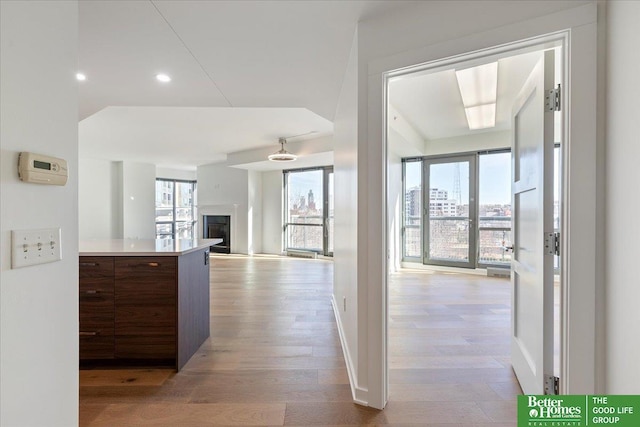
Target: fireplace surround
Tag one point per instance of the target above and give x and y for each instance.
(218, 227)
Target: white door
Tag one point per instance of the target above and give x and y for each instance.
(532, 206)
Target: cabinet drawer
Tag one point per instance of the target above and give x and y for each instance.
(147, 268)
(96, 310)
(96, 267)
(140, 320)
(145, 347)
(96, 343)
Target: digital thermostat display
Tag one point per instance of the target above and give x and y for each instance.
(42, 169)
(41, 165)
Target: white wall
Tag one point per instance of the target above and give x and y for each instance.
(169, 173)
(622, 203)
(99, 199)
(223, 190)
(468, 143)
(116, 200)
(39, 304)
(430, 31)
(254, 217)
(346, 180)
(272, 205)
(394, 214)
(138, 200)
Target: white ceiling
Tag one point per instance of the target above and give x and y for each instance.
(182, 137)
(244, 73)
(432, 104)
(287, 56)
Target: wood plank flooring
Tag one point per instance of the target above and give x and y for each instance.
(274, 356)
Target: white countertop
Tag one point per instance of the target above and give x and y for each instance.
(143, 247)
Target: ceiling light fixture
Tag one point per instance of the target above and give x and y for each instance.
(282, 155)
(81, 77)
(479, 90)
(163, 78)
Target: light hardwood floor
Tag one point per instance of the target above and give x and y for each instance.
(274, 356)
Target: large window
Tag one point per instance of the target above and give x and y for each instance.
(439, 224)
(309, 210)
(175, 209)
(441, 229)
(494, 208)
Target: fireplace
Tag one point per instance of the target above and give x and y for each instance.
(218, 227)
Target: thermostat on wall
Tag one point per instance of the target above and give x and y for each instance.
(41, 169)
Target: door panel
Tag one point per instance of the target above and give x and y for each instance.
(449, 211)
(532, 195)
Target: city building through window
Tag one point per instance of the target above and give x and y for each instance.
(175, 209)
(308, 219)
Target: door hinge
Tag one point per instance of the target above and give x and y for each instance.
(552, 99)
(551, 385)
(552, 243)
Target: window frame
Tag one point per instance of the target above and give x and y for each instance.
(476, 218)
(174, 221)
(326, 171)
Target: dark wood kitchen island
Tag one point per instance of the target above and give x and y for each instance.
(143, 302)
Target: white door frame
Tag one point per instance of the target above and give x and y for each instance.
(582, 270)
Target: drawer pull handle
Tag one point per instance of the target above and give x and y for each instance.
(88, 334)
(89, 264)
(148, 264)
(92, 292)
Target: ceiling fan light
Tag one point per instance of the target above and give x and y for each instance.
(282, 155)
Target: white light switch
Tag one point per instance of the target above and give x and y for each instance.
(30, 247)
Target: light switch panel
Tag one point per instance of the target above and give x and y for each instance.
(30, 247)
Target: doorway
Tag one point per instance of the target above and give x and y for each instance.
(456, 229)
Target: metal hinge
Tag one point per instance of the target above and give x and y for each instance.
(552, 99)
(552, 243)
(551, 385)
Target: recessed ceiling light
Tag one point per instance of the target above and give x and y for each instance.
(163, 78)
(81, 77)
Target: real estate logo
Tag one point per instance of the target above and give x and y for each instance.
(554, 411)
(578, 411)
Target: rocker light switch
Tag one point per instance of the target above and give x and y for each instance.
(30, 247)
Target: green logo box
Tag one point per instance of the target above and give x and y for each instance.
(578, 410)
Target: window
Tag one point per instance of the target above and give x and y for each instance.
(440, 232)
(175, 209)
(447, 200)
(309, 210)
(412, 218)
(494, 208)
(448, 234)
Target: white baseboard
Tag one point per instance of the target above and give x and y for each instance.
(360, 395)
